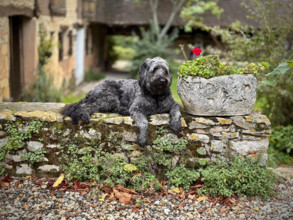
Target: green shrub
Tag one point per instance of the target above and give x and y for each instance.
(210, 66)
(277, 157)
(281, 138)
(180, 176)
(241, 177)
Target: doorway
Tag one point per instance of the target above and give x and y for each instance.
(16, 48)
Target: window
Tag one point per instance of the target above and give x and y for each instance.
(70, 43)
(58, 7)
(89, 9)
(60, 45)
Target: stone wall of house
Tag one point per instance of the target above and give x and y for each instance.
(4, 58)
(19, 7)
(214, 137)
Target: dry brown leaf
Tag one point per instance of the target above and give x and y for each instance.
(123, 197)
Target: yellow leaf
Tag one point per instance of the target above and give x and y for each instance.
(202, 198)
(102, 199)
(176, 190)
(256, 209)
(59, 180)
(129, 167)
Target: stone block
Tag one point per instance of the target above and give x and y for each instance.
(24, 169)
(245, 147)
(34, 145)
(160, 119)
(218, 146)
(49, 168)
(199, 137)
(129, 136)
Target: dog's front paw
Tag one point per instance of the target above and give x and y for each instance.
(176, 126)
(141, 141)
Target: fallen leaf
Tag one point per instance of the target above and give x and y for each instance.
(7, 179)
(176, 190)
(202, 198)
(233, 201)
(102, 199)
(59, 180)
(138, 174)
(123, 197)
(256, 209)
(240, 212)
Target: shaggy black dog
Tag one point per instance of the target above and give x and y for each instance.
(148, 95)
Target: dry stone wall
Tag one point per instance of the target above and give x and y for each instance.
(209, 138)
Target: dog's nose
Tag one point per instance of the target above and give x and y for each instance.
(162, 80)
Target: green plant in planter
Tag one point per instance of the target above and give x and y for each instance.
(210, 66)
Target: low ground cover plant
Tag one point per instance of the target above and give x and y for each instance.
(210, 66)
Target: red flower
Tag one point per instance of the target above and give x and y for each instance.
(197, 51)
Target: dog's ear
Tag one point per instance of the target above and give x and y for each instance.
(144, 68)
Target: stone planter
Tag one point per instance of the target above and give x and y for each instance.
(218, 96)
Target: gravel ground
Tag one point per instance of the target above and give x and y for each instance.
(27, 198)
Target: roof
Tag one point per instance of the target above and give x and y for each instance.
(128, 12)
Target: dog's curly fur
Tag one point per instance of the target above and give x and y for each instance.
(148, 95)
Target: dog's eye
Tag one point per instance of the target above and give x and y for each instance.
(155, 69)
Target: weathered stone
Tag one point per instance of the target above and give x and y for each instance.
(218, 96)
(49, 168)
(224, 121)
(246, 147)
(240, 122)
(129, 136)
(257, 133)
(2, 133)
(218, 129)
(34, 145)
(7, 166)
(32, 106)
(218, 146)
(199, 137)
(53, 146)
(24, 169)
(116, 120)
(262, 161)
(201, 131)
(129, 121)
(193, 125)
(183, 123)
(14, 158)
(160, 119)
(204, 121)
(66, 133)
(174, 160)
(41, 115)
(91, 134)
(135, 154)
(7, 116)
(3, 141)
(226, 135)
(171, 137)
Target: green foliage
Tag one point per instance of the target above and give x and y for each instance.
(149, 46)
(277, 157)
(122, 47)
(114, 137)
(241, 177)
(269, 41)
(180, 176)
(90, 75)
(210, 66)
(194, 9)
(281, 138)
(33, 157)
(145, 181)
(18, 136)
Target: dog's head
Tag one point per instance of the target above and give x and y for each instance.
(154, 76)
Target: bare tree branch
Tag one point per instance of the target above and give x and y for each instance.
(177, 5)
(154, 6)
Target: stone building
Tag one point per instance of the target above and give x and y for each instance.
(66, 22)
